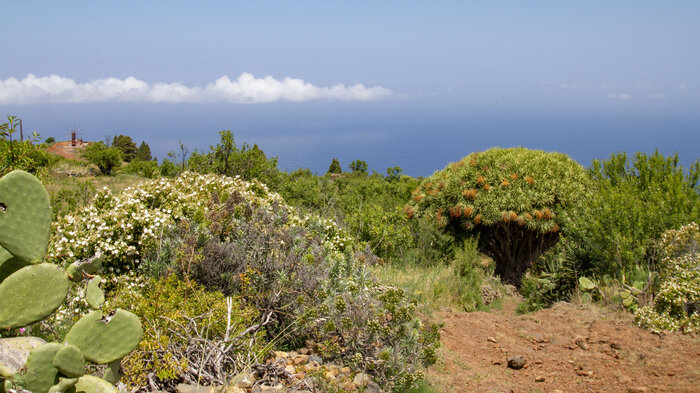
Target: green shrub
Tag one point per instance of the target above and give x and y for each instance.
(168, 306)
(105, 158)
(24, 155)
(633, 203)
(516, 200)
(677, 301)
(147, 169)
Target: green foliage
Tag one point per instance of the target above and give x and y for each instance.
(168, 303)
(393, 173)
(20, 155)
(126, 145)
(358, 166)
(633, 203)
(168, 168)
(50, 140)
(517, 201)
(677, 301)
(335, 167)
(227, 158)
(147, 169)
(143, 153)
(386, 232)
(105, 158)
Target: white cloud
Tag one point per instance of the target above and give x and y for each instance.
(244, 89)
(621, 96)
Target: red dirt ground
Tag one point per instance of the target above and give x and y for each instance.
(612, 354)
(64, 149)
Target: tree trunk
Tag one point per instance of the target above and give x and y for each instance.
(514, 248)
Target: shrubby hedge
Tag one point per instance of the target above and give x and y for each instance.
(303, 274)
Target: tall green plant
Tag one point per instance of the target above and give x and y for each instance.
(30, 291)
(634, 201)
(516, 200)
(20, 154)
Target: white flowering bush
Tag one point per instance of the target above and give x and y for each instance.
(126, 226)
(677, 302)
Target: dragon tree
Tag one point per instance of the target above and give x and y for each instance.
(517, 201)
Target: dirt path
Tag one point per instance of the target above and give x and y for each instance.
(568, 348)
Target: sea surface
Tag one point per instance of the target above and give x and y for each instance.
(420, 137)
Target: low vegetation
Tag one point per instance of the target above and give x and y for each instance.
(225, 259)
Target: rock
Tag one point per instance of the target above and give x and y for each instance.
(243, 380)
(491, 339)
(14, 352)
(582, 343)
(615, 345)
(345, 370)
(361, 380)
(539, 379)
(584, 373)
(188, 388)
(301, 359)
(372, 387)
(281, 355)
(290, 369)
(516, 362)
(350, 386)
(304, 351)
(624, 379)
(272, 389)
(234, 389)
(312, 366)
(637, 389)
(497, 362)
(314, 358)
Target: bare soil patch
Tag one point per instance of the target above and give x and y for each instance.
(568, 348)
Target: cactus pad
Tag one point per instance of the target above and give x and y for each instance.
(90, 266)
(25, 216)
(63, 385)
(9, 264)
(113, 372)
(41, 375)
(105, 338)
(94, 295)
(31, 294)
(70, 361)
(90, 384)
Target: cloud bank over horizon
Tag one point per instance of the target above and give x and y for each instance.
(246, 89)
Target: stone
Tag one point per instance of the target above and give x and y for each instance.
(290, 369)
(233, 389)
(301, 359)
(372, 387)
(193, 388)
(637, 389)
(584, 373)
(281, 354)
(315, 358)
(615, 345)
(14, 352)
(516, 362)
(304, 351)
(491, 339)
(361, 379)
(624, 379)
(539, 379)
(279, 388)
(582, 343)
(244, 380)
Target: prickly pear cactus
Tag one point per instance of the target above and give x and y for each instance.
(25, 216)
(31, 294)
(104, 338)
(93, 294)
(30, 291)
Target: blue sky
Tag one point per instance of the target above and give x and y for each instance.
(391, 72)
